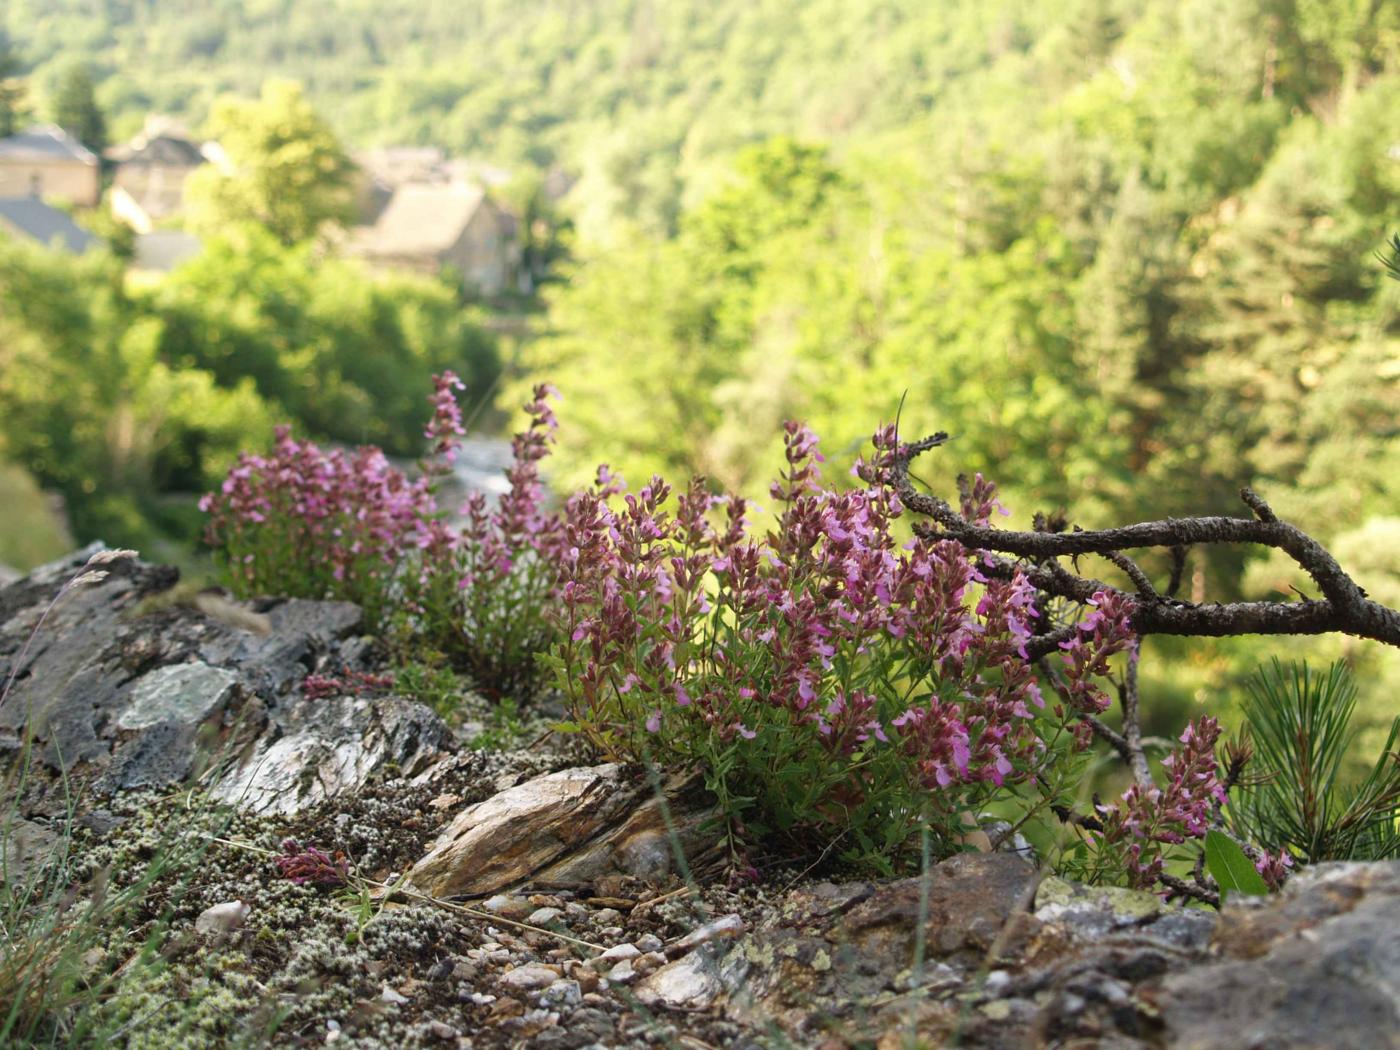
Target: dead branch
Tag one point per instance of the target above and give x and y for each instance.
(1343, 609)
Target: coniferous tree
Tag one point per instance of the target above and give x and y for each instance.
(11, 88)
(76, 111)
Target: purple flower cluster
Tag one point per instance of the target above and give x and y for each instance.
(1146, 819)
(315, 522)
(891, 674)
(310, 522)
(307, 864)
(1274, 869)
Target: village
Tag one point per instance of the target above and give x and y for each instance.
(416, 208)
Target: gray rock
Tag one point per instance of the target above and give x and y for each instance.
(528, 978)
(1317, 967)
(692, 982)
(320, 749)
(185, 694)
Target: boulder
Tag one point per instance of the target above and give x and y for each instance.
(126, 687)
(1317, 966)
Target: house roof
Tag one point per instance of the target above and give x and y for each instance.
(167, 150)
(45, 142)
(421, 219)
(32, 218)
(397, 165)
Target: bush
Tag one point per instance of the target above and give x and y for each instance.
(824, 676)
(315, 523)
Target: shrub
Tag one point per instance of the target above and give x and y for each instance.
(824, 675)
(314, 523)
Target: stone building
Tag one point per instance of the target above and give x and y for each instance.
(148, 184)
(428, 226)
(46, 161)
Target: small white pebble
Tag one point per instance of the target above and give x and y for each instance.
(222, 918)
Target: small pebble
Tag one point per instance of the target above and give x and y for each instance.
(529, 977)
(222, 918)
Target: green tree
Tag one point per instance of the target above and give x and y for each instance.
(284, 169)
(74, 108)
(11, 87)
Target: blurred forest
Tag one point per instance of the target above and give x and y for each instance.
(1123, 250)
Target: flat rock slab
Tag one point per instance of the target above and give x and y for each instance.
(181, 693)
(561, 829)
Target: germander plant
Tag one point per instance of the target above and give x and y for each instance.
(310, 522)
(825, 675)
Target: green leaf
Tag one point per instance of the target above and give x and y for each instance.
(1230, 868)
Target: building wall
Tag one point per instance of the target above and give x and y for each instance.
(69, 181)
(158, 188)
(480, 253)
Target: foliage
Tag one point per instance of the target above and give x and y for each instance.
(481, 590)
(307, 522)
(284, 169)
(12, 91)
(117, 397)
(74, 108)
(1300, 723)
(32, 531)
(88, 403)
(1230, 868)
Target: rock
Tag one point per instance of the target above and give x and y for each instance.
(320, 749)
(388, 995)
(616, 954)
(727, 926)
(442, 1031)
(544, 916)
(528, 978)
(222, 918)
(562, 993)
(508, 907)
(122, 683)
(518, 832)
(622, 972)
(692, 982)
(183, 694)
(1319, 966)
(28, 846)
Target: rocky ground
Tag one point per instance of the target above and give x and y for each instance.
(532, 898)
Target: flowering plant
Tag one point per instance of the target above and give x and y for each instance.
(307, 864)
(823, 673)
(310, 522)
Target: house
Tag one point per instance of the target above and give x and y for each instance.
(46, 161)
(428, 226)
(32, 219)
(148, 185)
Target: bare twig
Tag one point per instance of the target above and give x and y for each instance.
(1181, 888)
(1132, 719)
(1344, 608)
